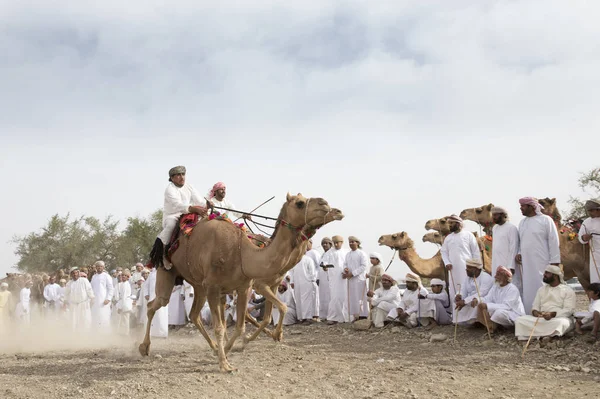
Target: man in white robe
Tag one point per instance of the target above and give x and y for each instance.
(502, 305)
(78, 295)
(303, 279)
(136, 274)
(176, 307)
(414, 309)
(217, 194)
(476, 284)
(458, 246)
(160, 322)
(23, 309)
(538, 239)
(589, 233)
(323, 280)
(355, 272)
(52, 297)
(124, 304)
(286, 296)
(506, 246)
(333, 260)
(384, 299)
(553, 308)
(188, 298)
(180, 198)
(591, 318)
(443, 311)
(103, 292)
(6, 305)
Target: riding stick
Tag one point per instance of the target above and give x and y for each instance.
(593, 257)
(456, 320)
(484, 313)
(256, 207)
(389, 264)
(529, 340)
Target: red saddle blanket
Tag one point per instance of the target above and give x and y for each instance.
(188, 221)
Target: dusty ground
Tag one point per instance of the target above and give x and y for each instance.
(313, 361)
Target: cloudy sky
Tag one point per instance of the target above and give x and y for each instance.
(395, 112)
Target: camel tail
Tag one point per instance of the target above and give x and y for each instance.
(157, 253)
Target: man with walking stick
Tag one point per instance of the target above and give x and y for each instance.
(589, 233)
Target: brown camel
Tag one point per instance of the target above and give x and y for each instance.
(481, 215)
(434, 237)
(485, 244)
(429, 268)
(217, 258)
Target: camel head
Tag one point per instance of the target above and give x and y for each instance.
(481, 215)
(398, 241)
(550, 208)
(434, 237)
(308, 213)
(440, 225)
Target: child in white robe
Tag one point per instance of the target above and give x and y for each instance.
(591, 318)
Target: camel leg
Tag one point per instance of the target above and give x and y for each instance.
(240, 325)
(199, 299)
(165, 281)
(214, 300)
(271, 299)
(256, 324)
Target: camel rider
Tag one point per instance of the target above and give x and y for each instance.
(180, 198)
(216, 195)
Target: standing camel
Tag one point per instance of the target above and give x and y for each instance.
(217, 258)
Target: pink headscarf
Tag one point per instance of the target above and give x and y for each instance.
(217, 186)
(533, 202)
(504, 270)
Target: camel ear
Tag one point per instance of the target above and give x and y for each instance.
(402, 235)
(553, 201)
(490, 206)
(288, 197)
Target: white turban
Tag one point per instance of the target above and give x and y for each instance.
(556, 270)
(73, 269)
(4, 285)
(499, 209)
(375, 255)
(474, 263)
(99, 263)
(437, 281)
(139, 264)
(413, 278)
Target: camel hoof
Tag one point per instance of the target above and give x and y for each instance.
(278, 336)
(227, 368)
(144, 349)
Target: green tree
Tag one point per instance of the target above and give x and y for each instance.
(589, 182)
(137, 239)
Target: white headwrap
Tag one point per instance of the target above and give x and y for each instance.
(413, 278)
(499, 209)
(437, 281)
(375, 255)
(556, 270)
(99, 263)
(4, 285)
(474, 263)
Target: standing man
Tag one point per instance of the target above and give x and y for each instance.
(304, 282)
(216, 195)
(180, 198)
(5, 307)
(136, 275)
(323, 280)
(538, 247)
(23, 310)
(78, 294)
(124, 304)
(52, 296)
(160, 322)
(506, 246)
(188, 299)
(458, 246)
(338, 288)
(589, 233)
(355, 271)
(103, 292)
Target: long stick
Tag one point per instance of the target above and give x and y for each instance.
(529, 340)
(453, 312)
(348, 296)
(389, 264)
(238, 211)
(484, 313)
(257, 207)
(593, 257)
(372, 289)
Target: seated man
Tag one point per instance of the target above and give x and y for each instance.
(466, 301)
(180, 198)
(384, 299)
(285, 295)
(552, 307)
(443, 312)
(413, 310)
(503, 304)
(591, 318)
